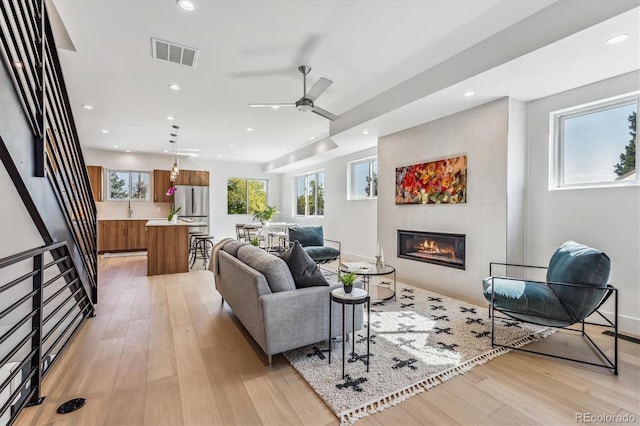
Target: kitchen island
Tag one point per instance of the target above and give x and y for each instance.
(168, 246)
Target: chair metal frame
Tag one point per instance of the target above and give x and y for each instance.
(611, 364)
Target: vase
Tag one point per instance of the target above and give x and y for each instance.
(174, 219)
(347, 288)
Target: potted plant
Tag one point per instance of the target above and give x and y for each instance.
(347, 281)
(265, 215)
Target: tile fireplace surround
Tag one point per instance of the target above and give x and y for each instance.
(433, 247)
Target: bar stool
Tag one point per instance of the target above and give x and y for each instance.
(203, 246)
(192, 245)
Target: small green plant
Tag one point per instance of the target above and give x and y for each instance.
(348, 279)
(266, 214)
(255, 242)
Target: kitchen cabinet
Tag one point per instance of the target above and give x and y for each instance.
(161, 182)
(193, 177)
(121, 235)
(95, 178)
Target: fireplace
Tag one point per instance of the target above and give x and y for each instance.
(432, 247)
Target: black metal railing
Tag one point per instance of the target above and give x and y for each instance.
(30, 56)
(43, 305)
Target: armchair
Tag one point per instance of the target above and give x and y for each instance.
(311, 238)
(575, 288)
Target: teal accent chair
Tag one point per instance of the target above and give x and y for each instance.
(576, 287)
(312, 240)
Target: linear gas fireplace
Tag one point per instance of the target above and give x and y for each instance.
(432, 247)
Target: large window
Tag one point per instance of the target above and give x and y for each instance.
(363, 179)
(246, 196)
(128, 185)
(595, 145)
(310, 194)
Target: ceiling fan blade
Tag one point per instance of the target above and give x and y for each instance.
(272, 105)
(318, 88)
(325, 113)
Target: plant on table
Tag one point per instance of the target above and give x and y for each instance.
(265, 215)
(173, 212)
(347, 280)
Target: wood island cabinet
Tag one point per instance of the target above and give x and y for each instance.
(161, 182)
(120, 235)
(95, 178)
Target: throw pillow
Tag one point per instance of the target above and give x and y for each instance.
(274, 269)
(307, 235)
(304, 270)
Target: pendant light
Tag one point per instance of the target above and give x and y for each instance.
(175, 170)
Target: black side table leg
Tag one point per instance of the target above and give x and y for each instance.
(343, 341)
(353, 329)
(368, 328)
(330, 315)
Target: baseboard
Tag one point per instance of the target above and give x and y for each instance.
(626, 324)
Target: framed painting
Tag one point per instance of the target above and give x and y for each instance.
(436, 182)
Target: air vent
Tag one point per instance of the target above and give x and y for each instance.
(172, 52)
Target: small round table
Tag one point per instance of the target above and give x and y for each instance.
(378, 293)
(356, 297)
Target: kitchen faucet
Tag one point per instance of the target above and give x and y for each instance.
(130, 209)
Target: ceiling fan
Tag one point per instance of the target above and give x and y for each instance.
(306, 102)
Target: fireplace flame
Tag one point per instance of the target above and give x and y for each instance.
(431, 247)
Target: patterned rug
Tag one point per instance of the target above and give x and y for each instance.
(416, 342)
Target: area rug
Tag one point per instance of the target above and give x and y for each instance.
(418, 341)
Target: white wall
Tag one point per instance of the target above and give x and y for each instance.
(222, 224)
(352, 222)
(605, 218)
(481, 134)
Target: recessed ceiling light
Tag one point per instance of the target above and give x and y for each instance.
(18, 64)
(218, 156)
(127, 150)
(186, 5)
(105, 131)
(618, 38)
(115, 146)
(174, 87)
(249, 129)
(164, 150)
(87, 107)
(469, 93)
(230, 145)
(275, 107)
(365, 132)
(170, 118)
(311, 138)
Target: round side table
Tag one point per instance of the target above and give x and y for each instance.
(356, 297)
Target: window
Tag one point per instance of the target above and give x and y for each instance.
(310, 194)
(595, 145)
(128, 185)
(246, 196)
(363, 179)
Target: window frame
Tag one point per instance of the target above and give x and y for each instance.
(306, 194)
(352, 182)
(128, 198)
(556, 142)
(246, 181)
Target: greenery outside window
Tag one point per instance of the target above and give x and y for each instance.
(595, 145)
(363, 179)
(310, 194)
(127, 185)
(246, 196)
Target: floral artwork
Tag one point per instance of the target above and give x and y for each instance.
(436, 182)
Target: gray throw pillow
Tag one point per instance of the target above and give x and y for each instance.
(304, 270)
(232, 247)
(273, 268)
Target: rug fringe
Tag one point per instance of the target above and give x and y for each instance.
(387, 401)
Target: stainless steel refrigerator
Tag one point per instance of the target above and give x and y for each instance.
(194, 203)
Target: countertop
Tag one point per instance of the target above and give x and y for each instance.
(165, 222)
(132, 218)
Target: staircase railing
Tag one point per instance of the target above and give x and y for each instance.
(43, 306)
(30, 56)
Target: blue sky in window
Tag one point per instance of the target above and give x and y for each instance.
(593, 144)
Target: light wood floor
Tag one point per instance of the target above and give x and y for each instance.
(163, 351)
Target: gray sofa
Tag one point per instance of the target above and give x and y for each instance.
(261, 292)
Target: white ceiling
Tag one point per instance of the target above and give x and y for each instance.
(394, 64)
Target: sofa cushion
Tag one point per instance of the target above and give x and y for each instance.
(307, 235)
(575, 263)
(274, 269)
(232, 247)
(303, 268)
